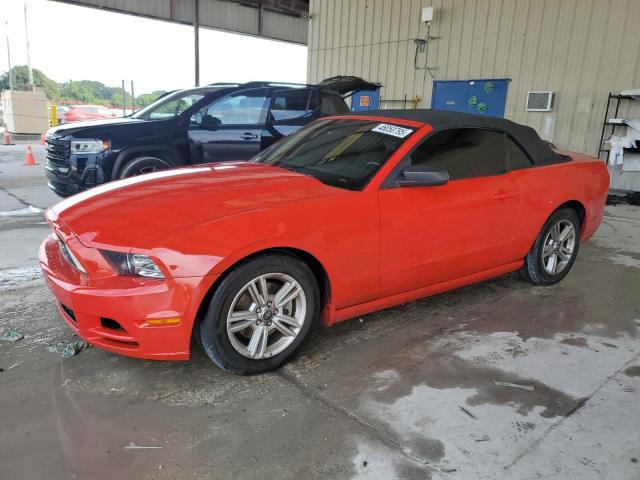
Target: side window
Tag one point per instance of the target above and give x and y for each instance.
(464, 153)
(516, 158)
(173, 108)
(242, 108)
(289, 104)
(332, 103)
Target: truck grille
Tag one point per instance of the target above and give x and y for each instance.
(58, 152)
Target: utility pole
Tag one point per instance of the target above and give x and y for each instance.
(124, 100)
(196, 33)
(133, 99)
(6, 24)
(26, 32)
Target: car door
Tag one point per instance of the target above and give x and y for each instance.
(230, 128)
(431, 234)
(289, 110)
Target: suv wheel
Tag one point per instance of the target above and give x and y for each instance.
(142, 165)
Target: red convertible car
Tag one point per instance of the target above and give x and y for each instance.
(351, 214)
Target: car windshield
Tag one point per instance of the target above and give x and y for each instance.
(341, 153)
(172, 105)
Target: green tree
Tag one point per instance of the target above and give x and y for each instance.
(147, 98)
(90, 91)
(20, 76)
(75, 91)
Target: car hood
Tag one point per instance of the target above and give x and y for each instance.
(129, 212)
(75, 127)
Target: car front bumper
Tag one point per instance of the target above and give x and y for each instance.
(75, 173)
(114, 312)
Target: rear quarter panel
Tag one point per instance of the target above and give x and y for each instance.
(545, 188)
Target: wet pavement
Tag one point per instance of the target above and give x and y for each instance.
(497, 380)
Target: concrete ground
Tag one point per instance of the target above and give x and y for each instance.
(498, 380)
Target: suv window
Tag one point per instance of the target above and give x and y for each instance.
(242, 108)
(332, 103)
(464, 153)
(291, 103)
(168, 107)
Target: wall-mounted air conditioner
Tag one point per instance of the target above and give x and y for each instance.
(540, 101)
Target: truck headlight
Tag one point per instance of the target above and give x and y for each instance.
(89, 146)
(132, 264)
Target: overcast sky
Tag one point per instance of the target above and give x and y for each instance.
(78, 43)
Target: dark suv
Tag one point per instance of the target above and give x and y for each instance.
(207, 124)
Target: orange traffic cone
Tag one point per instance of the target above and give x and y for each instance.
(29, 160)
(6, 138)
(42, 140)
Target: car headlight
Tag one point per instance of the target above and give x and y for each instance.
(132, 264)
(89, 146)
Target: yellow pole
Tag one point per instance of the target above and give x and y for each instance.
(54, 116)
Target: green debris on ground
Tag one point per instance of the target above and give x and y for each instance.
(70, 349)
(11, 336)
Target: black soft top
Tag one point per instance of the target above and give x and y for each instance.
(528, 139)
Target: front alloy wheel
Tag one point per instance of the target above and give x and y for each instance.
(260, 313)
(266, 315)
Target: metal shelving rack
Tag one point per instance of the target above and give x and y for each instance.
(606, 123)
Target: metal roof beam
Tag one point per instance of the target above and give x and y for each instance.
(284, 20)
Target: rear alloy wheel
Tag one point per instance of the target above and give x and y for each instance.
(555, 249)
(142, 165)
(260, 314)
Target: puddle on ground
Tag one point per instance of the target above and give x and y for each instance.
(632, 371)
(377, 463)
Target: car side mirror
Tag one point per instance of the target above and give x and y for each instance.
(419, 176)
(212, 123)
(196, 118)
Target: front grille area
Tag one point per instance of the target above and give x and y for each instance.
(69, 312)
(58, 152)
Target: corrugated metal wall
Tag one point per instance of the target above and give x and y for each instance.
(581, 49)
(219, 14)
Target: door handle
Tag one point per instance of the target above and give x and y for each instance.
(249, 136)
(504, 194)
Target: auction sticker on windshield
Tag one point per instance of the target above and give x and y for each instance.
(392, 130)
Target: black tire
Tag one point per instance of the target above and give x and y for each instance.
(197, 336)
(213, 327)
(534, 268)
(142, 165)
